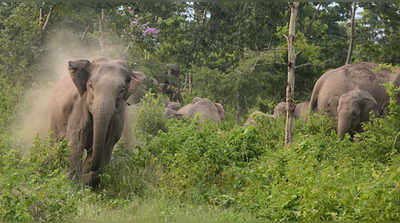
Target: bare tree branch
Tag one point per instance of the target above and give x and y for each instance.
(47, 18)
(101, 24)
(305, 64)
(286, 37)
(40, 16)
(351, 45)
(85, 32)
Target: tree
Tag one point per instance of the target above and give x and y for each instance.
(378, 32)
(351, 44)
(290, 105)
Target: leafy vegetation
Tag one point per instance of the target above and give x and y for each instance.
(186, 170)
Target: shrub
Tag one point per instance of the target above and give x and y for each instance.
(150, 117)
(131, 173)
(9, 97)
(36, 187)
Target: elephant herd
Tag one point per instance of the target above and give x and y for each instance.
(348, 94)
(88, 108)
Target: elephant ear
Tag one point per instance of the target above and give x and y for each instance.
(220, 109)
(79, 71)
(367, 104)
(136, 79)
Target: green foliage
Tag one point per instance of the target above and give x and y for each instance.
(10, 95)
(49, 156)
(36, 188)
(197, 158)
(150, 116)
(131, 173)
(256, 76)
(233, 53)
(377, 32)
(20, 41)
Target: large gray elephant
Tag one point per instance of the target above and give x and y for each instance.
(300, 111)
(204, 108)
(88, 110)
(334, 84)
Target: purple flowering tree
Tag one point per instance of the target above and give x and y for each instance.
(141, 33)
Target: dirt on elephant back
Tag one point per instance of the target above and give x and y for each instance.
(368, 70)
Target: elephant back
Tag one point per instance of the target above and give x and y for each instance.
(203, 107)
(364, 76)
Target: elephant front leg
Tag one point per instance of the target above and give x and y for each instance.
(90, 176)
(79, 142)
(80, 138)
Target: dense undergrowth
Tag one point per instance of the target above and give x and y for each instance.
(204, 172)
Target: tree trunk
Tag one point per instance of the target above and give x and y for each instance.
(290, 106)
(351, 45)
(101, 24)
(85, 32)
(40, 16)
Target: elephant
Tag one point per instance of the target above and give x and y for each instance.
(171, 109)
(204, 107)
(280, 110)
(353, 108)
(88, 110)
(332, 85)
(301, 110)
(141, 90)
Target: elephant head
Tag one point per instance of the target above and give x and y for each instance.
(280, 109)
(353, 108)
(104, 86)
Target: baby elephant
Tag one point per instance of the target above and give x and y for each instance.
(353, 108)
(300, 111)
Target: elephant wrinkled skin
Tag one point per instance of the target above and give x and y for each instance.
(300, 111)
(334, 84)
(88, 111)
(353, 108)
(204, 108)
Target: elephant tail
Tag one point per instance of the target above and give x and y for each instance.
(314, 96)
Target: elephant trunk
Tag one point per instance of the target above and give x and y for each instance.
(344, 125)
(102, 114)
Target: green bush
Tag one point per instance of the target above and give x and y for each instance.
(131, 173)
(10, 94)
(197, 158)
(150, 117)
(35, 188)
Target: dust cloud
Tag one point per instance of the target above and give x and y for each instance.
(33, 118)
